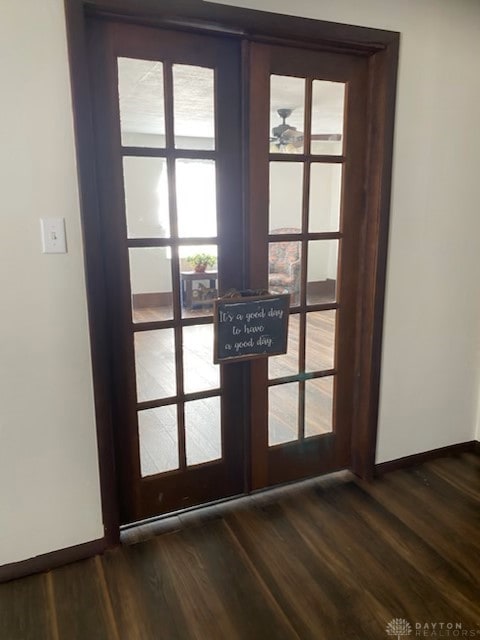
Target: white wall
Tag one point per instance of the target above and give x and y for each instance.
(49, 484)
(431, 355)
(477, 434)
(49, 491)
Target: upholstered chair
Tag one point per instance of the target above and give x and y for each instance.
(284, 266)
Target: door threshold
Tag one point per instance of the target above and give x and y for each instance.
(197, 515)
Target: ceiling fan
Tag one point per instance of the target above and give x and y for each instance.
(287, 136)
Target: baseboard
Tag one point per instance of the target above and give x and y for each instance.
(322, 288)
(51, 560)
(160, 299)
(419, 458)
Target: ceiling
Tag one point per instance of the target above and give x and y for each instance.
(142, 109)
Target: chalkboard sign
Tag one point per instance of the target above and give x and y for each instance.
(252, 327)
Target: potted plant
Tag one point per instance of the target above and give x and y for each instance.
(201, 261)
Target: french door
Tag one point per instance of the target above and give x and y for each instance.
(307, 202)
(181, 182)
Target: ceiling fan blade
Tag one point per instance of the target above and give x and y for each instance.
(292, 134)
(335, 137)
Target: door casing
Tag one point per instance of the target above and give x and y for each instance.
(381, 49)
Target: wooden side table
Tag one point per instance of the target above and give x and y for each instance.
(186, 286)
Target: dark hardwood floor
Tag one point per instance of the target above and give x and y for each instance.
(331, 558)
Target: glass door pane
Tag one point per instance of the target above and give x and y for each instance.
(322, 271)
(320, 340)
(196, 198)
(194, 110)
(286, 197)
(325, 194)
(318, 406)
(203, 427)
(145, 182)
(151, 284)
(158, 436)
(155, 364)
(285, 269)
(282, 414)
(328, 107)
(287, 114)
(141, 102)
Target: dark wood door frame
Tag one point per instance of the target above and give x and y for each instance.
(381, 49)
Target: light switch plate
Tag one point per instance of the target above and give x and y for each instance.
(53, 235)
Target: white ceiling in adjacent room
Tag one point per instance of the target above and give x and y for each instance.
(141, 101)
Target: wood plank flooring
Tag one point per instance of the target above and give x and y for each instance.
(327, 559)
